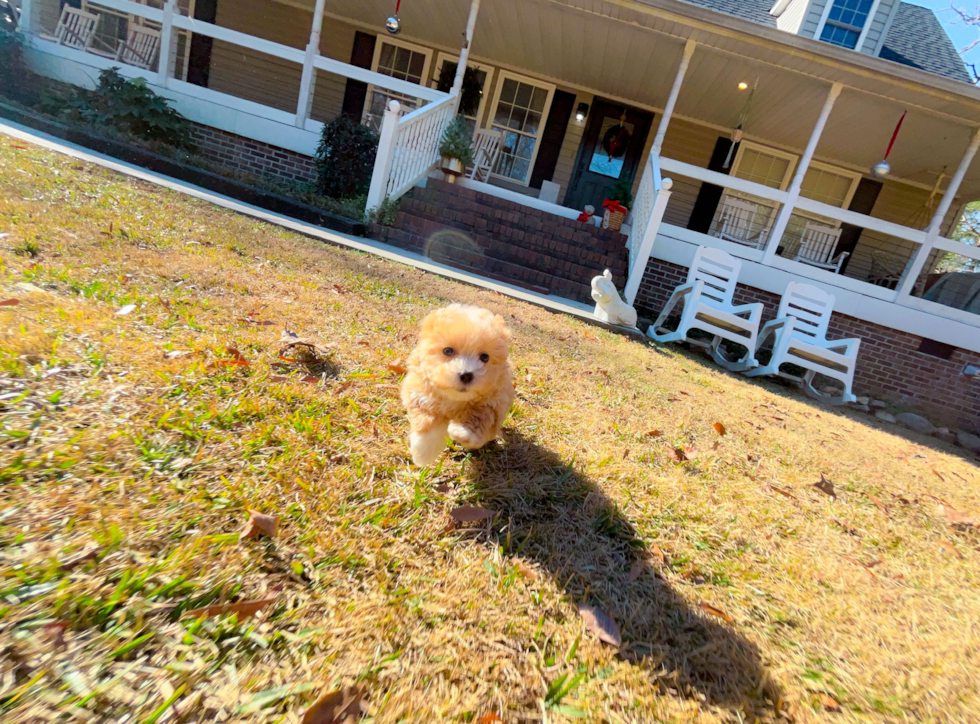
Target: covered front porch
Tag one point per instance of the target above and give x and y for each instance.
(736, 136)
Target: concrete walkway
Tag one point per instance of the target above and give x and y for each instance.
(385, 251)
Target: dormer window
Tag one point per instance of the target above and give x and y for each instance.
(845, 22)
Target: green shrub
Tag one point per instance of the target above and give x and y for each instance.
(128, 106)
(622, 191)
(386, 214)
(345, 158)
(457, 142)
(15, 82)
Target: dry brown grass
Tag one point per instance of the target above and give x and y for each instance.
(870, 598)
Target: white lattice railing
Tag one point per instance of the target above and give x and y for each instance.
(409, 148)
(648, 211)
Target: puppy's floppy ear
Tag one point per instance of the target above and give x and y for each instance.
(430, 322)
(499, 327)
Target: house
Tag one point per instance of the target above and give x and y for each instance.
(755, 126)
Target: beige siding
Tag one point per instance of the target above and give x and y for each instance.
(337, 42)
(245, 73)
(570, 146)
(792, 17)
(812, 18)
(879, 26)
(693, 144)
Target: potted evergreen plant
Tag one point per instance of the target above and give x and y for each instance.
(456, 148)
(618, 203)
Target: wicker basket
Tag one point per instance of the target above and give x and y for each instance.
(613, 220)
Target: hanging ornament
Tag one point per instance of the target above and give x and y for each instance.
(883, 168)
(394, 24)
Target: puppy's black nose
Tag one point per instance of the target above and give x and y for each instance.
(466, 377)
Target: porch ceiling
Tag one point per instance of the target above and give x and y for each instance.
(625, 50)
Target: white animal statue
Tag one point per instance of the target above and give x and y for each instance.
(609, 306)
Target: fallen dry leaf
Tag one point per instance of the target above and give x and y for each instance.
(878, 504)
(829, 702)
(720, 428)
(340, 706)
(708, 608)
(165, 304)
(56, 634)
(397, 368)
(951, 549)
(491, 718)
(525, 570)
(825, 486)
(9, 303)
(471, 514)
(443, 488)
(659, 554)
(260, 322)
(653, 433)
(781, 491)
(601, 624)
(260, 524)
(243, 609)
(955, 517)
(236, 354)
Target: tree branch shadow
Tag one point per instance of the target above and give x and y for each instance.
(560, 518)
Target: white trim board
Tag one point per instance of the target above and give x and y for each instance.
(678, 246)
(384, 251)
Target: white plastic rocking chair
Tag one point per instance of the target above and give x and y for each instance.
(76, 28)
(816, 246)
(800, 330)
(486, 149)
(737, 219)
(709, 306)
(140, 48)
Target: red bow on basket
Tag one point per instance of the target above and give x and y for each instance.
(614, 206)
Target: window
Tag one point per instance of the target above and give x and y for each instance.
(520, 110)
(398, 60)
(830, 185)
(449, 63)
(845, 22)
(763, 165)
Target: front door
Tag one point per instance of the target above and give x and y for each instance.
(611, 148)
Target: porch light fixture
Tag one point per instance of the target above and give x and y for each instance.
(743, 86)
(581, 112)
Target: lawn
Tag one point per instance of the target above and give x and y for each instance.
(146, 409)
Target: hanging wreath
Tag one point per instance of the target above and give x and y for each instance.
(616, 140)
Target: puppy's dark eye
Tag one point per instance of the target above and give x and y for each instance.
(449, 351)
(484, 358)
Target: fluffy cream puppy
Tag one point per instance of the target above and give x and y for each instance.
(459, 381)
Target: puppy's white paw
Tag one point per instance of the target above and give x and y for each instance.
(465, 437)
(426, 447)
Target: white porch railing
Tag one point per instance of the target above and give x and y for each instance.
(409, 148)
(648, 217)
(648, 212)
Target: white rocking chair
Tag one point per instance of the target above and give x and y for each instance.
(816, 246)
(800, 330)
(140, 48)
(736, 218)
(709, 306)
(486, 149)
(75, 29)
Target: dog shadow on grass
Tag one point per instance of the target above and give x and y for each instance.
(560, 518)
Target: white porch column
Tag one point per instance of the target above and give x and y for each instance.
(307, 83)
(167, 42)
(782, 219)
(675, 91)
(911, 275)
(26, 23)
(464, 53)
(385, 157)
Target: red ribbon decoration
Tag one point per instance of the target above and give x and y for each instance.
(894, 135)
(614, 206)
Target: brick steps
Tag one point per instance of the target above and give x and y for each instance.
(506, 240)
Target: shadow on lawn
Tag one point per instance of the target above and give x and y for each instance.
(562, 519)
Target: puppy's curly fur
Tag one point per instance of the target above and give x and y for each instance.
(459, 381)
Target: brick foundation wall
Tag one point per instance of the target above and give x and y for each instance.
(253, 157)
(890, 367)
(505, 240)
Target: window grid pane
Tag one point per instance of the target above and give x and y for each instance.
(518, 115)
